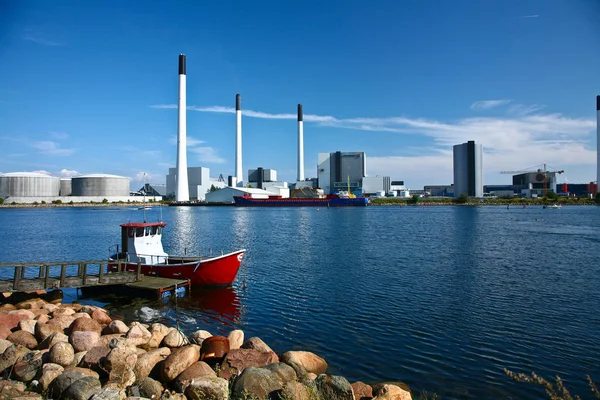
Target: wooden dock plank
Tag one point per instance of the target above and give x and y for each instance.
(155, 282)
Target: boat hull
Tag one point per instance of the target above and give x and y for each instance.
(219, 271)
(241, 201)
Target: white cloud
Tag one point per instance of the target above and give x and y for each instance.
(51, 148)
(42, 40)
(520, 139)
(59, 135)
(522, 109)
(487, 104)
(530, 16)
(207, 154)
(68, 173)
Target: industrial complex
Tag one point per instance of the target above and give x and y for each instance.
(335, 172)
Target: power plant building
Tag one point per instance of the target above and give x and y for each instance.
(468, 169)
(336, 171)
(199, 182)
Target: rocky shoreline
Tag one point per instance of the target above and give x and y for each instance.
(73, 351)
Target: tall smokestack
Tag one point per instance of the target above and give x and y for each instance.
(300, 143)
(238, 140)
(598, 143)
(183, 190)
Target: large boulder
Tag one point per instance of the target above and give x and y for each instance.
(361, 390)
(11, 355)
(196, 371)
(62, 311)
(31, 304)
(94, 359)
(62, 323)
(49, 372)
(55, 337)
(101, 316)
(4, 344)
(8, 322)
(120, 359)
(149, 388)
(82, 389)
(83, 340)
(334, 387)
(42, 331)
(118, 326)
(180, 359)
(23, 338)
(146, 362)
(284, 372)
(304, 362)
(86, 325)
(237, 360)
(158, 332)
(62, 354)
(256, 343)
(25, 313)
(29, 367)
(212, 388)
(27, 325)
(236, 339)
(256, 382)
(62, 382)
(391, 392)
(175, 338)
(138, 335)
(199, 336)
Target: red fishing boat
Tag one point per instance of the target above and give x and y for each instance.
(141, 244)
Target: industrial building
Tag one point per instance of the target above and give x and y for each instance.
(468, 169)
(439, 190)
(199, 182)
(377, 185)
(32, 187)
(263, 178)
(340, 170)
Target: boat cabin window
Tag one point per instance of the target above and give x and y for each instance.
(139, 232)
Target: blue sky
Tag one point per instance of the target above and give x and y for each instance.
(88, 87)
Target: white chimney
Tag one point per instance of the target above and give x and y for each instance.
(183, 191)
(238, 141)
(300, 144)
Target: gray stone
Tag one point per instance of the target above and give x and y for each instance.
(29, 367)
(11, 355)
(259, 382)
(284, 372)
(49, 372)
(150, 388)
(334, 387)
(62, 382)
(82, 389)
(62, 354)
(208, 388)
(109, 394)
(52, 339)
(23, 338)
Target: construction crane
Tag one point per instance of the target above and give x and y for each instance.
(543, 174)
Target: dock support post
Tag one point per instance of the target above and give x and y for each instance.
(63, 272)
(41, 275)
(139, 271)
(17, 277)
(47, 276)
(83, 272)
(101, 273)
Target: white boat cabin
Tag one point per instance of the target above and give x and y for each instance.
(142, 242)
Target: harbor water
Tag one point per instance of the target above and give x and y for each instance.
(441, 298)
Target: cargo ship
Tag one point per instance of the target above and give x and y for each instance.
(306, 197)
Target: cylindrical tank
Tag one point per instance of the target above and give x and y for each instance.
(100, 185)
(28, 184)
(65, 186)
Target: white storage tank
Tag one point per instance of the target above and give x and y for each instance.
(65, 187)
(28, 184)
(100, 185)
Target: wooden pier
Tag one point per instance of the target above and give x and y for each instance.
(30, 276)
(91, 276)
